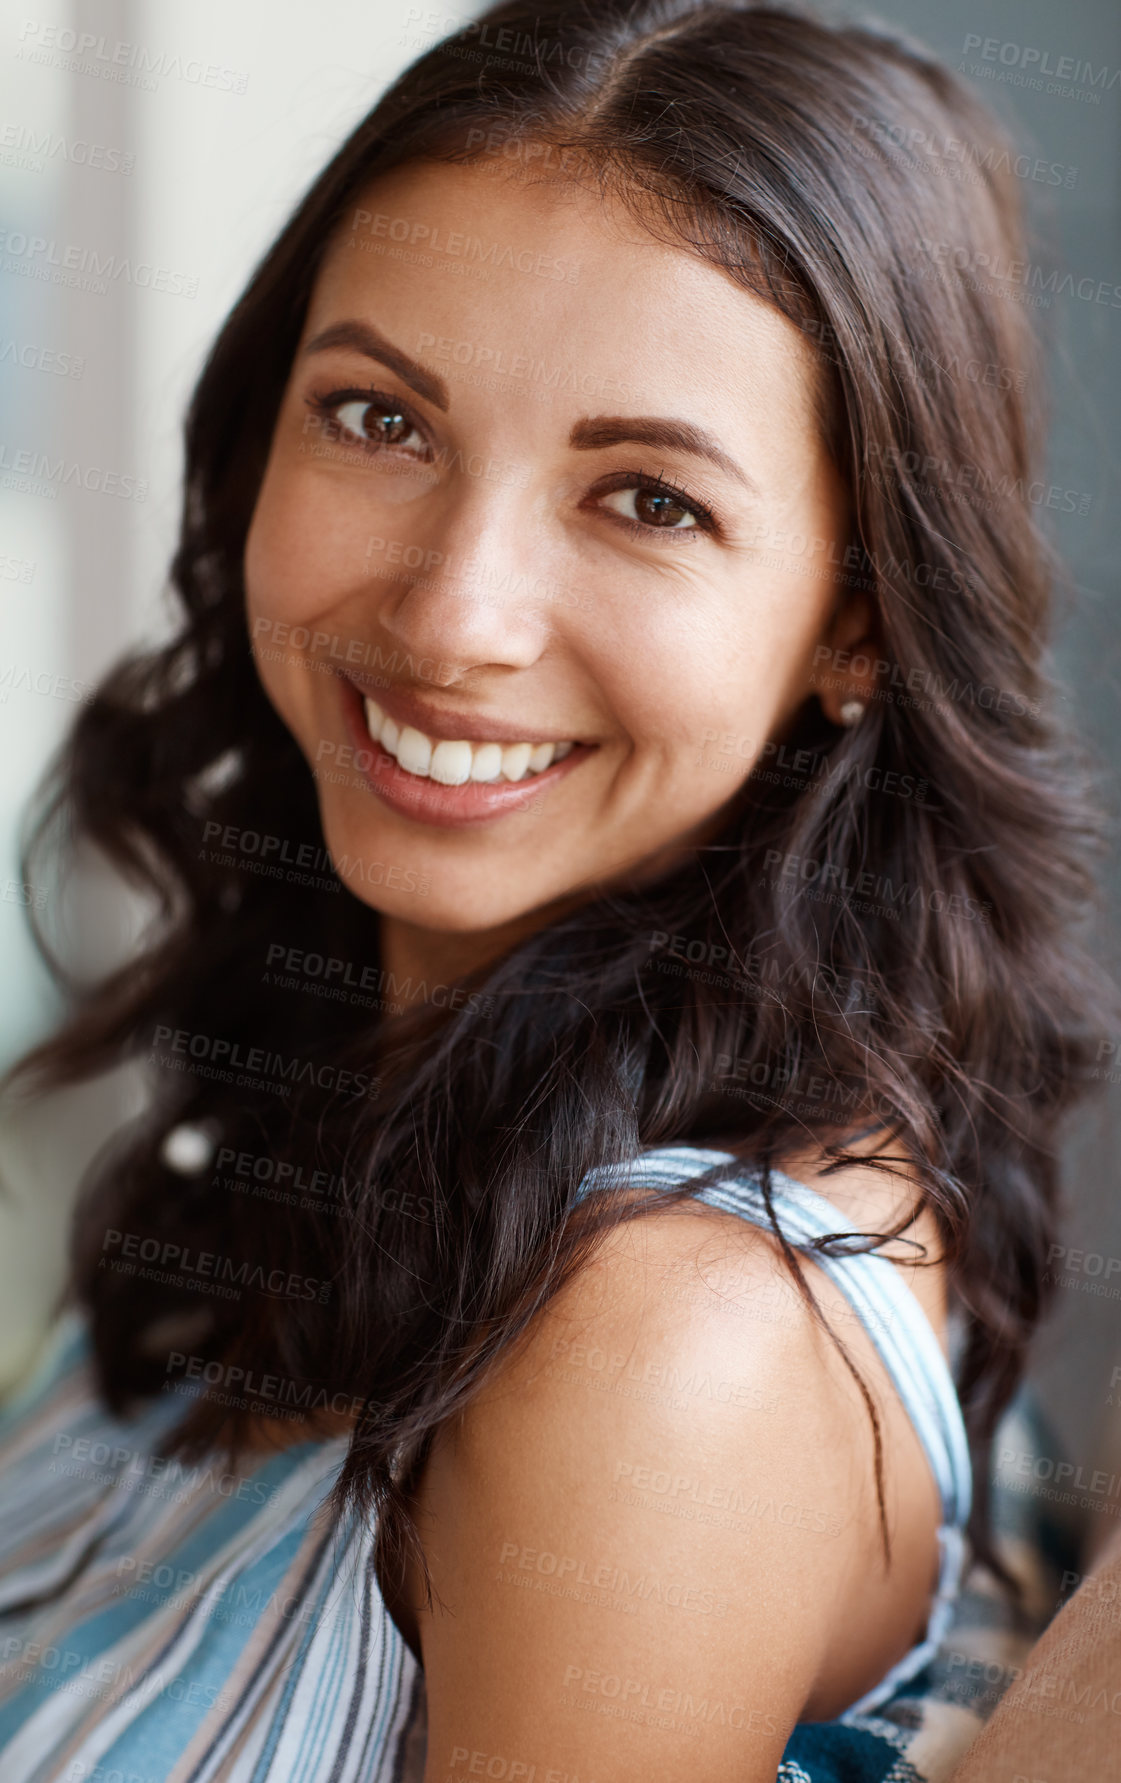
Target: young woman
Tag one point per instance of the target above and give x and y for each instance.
(612, 993)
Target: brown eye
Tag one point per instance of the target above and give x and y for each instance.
(659, 510)
(647, 505)
(375, 424)
(393, 428)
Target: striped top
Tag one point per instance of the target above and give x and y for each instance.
(162, 1622)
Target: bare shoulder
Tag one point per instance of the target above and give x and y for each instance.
(878, 1199)
(653, 1535)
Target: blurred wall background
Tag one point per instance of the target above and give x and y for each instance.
(149, 150)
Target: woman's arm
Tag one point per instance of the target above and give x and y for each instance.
(1061, 1721)
(653, 1537)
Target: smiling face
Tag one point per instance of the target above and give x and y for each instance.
(518, 575)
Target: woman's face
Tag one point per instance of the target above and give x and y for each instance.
(531, 494)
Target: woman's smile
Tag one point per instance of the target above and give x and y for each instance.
(597, 590)
(434, 771)
(584, 1064)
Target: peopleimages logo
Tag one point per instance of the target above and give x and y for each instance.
(211, 1056)
(30, 147)
(1033, 63)
(18, 678)
(42, 257)
(278, 1389)
(85, 52)
(1024, 280)
(893, 895)
(49, 475)
(36, 358)
(460, 246)
(179, 1263)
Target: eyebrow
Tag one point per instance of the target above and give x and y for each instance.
(362, 338)
(653, 430)
(589, 435)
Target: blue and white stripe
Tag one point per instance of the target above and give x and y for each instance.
(201, 1627)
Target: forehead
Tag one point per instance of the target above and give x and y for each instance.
(477, 267)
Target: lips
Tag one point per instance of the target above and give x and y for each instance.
(447, 779)
(455, 761)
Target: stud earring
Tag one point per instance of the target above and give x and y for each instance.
(852, 712)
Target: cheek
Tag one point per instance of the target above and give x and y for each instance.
(288, 593)
(701, 690)
(303, 553)
(272, 574)
(675, 677)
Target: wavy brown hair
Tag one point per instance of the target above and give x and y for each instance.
(842, 955)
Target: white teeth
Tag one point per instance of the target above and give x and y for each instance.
(414, 751)
(541, 757)
(451, 763)
(454, 763)
(487, 764)
(515, 760)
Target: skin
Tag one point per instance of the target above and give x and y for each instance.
(578, 628)
(590, 623)
(1060, 1719)
(784, 1611)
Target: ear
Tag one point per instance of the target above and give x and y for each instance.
(844, 672)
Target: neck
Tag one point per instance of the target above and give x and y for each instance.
(418, 957)
(423, 956)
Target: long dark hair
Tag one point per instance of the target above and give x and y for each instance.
(883, 933)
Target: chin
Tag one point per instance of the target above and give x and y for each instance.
(399, 883)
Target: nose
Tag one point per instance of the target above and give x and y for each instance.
(482, 597)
